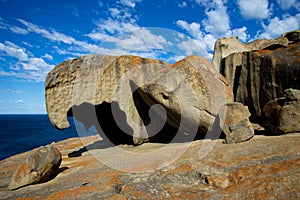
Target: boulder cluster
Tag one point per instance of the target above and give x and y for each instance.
(135, 100)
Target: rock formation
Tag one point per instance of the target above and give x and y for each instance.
(38, 167)
(191, 91)
(198, 89)
(136, 96)
(226, 46)
(257, 77)
(96, 80)
(234, 120)
(283, 114)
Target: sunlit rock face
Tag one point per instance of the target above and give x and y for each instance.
(259, 76)
(135, 96)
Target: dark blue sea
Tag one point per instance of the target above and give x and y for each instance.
(20, 133)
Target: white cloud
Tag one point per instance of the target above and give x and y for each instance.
(241, 33)
(3, 25)
(277, 26)
(192, 46)
(114, 12)
(48, 57)
(18, 30)
(19, 101)
(217, 21)
(182, 4)
(122, 35)
(129, 3)
(55, 36)
(52, 34)
(10, 49)
(27, 66)
(254, 9)
(214, 26)
(193, 28)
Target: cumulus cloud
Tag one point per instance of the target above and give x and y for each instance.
(193, 28)
(254, 9)
(192, 46)
(278, 26)
(217, 21)
(241, 33)
(27, 66)
(11, 49)
(129, 3)
(124, 36)
(215, 25)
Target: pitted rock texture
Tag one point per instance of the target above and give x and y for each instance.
(283, 114)
(97, 88)
(96, 79)
(39, 166)
(258, 77)
(261, 168)
(234, 121)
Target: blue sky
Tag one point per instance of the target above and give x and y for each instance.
(36, 35)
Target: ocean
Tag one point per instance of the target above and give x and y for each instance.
(20, 133)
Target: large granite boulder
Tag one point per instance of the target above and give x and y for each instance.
(257, 77)
(193, 94)
(39, 166)
(116, 94)
(283, 114)
(89, 88)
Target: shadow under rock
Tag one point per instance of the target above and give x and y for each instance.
(114, 129)
(96, 145)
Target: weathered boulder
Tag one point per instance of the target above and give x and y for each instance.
(234, 121)
(283, 114)
(257, 77)
(226, 46)
(39, 166)
(193, 94)
(121, 91)
(95, 80)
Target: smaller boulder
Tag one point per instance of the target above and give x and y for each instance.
(283, 114)
(38, 167)
(234, 121)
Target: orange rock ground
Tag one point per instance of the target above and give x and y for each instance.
(265, 167)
